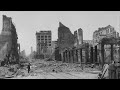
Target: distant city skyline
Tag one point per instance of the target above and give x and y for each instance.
(29, 22)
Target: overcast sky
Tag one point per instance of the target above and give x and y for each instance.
(28, 22)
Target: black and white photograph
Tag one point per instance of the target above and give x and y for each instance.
(59, 45)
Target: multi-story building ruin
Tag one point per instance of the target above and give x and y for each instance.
(53, 46)
(65, 37)
(9, 51)
(107, 31)
(78, 37)
(90, 42)
(43, 42)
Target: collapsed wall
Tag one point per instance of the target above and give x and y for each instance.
(65, 37)
(8, 41)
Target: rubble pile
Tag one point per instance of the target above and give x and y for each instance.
(44, 68)
(63, 67)
(22, 72)
(8, 71)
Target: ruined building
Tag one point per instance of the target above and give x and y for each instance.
(76, 38)
(80, 36)
(9, 51)
(108, 31)
(65, 37)
(68, 40)
(43, 42)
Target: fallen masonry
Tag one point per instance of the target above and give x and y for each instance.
(9, 48)
(60, 69)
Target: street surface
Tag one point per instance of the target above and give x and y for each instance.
(43, 70)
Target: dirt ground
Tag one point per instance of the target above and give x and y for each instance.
(58, 70)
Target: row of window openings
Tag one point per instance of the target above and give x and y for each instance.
(98, 40)
(111, 34)
(108, 35)
(44, 36)
(44, 39)
(45, 42)
(47, 45)
(107, 31)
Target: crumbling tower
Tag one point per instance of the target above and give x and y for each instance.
(80, 36)
(76, 38)
(8, 42)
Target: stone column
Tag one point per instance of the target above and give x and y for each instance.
(76, 55)
(63, 56)
(60, 57)
(102, 54)
(66, 56)
(69, 56)
(112, 58)
(56, 54)
(91, 55)
(72, 55)
(81, 55)
(96, 61)
(86, 55)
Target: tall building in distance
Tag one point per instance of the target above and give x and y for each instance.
(43, 42)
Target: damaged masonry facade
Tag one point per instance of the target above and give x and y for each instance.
(70, 57)
(9, 51)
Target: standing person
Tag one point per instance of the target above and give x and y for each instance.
(112, 69)
(28, 67)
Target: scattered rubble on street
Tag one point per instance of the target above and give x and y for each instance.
(54, 70)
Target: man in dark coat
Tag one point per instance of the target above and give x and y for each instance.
(28, 67)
